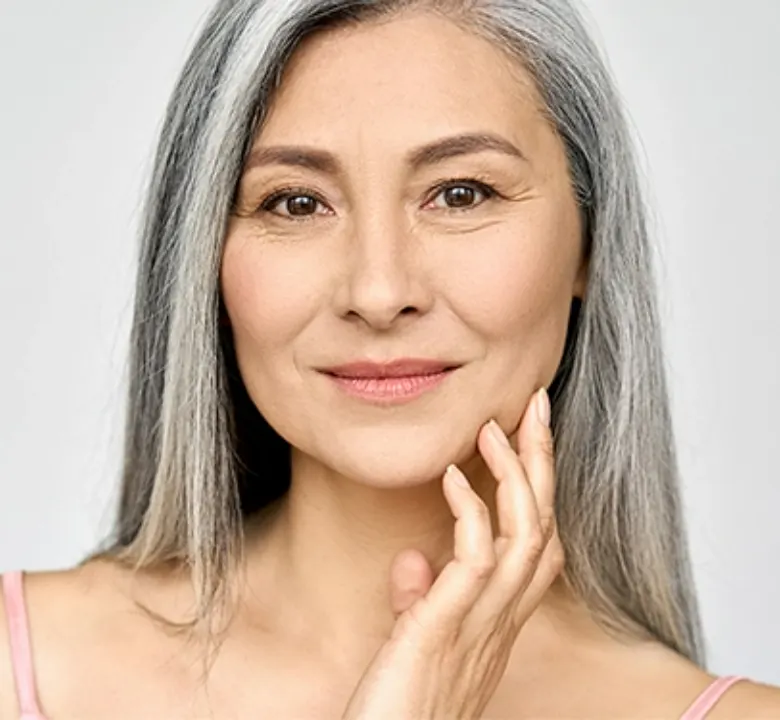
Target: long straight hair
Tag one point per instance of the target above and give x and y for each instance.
(199, 459)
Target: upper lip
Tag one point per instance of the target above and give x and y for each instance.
(402, 367)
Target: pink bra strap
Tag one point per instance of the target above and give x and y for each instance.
(711, 694)
(19, 634)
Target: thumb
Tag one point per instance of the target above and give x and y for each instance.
(411, 576)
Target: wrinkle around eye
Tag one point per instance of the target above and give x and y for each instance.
(254, 192)
(284, 198)
(460, 227)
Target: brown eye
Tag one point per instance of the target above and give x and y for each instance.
(291, 204)
(459, 196)
(462, 195)
(300, 205)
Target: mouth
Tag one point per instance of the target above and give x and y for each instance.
(393, 383)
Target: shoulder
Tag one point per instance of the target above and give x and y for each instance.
(665, 684)
(50, 599)
(71, 613)
(748, 699)
(681, 678)
(745, 699)
(8, 705)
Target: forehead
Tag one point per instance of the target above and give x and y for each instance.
(404, 80)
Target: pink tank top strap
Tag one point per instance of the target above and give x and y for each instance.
(709, 697)
(21, 653)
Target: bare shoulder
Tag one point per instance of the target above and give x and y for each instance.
(8, 705)
(748, 699)
(612, 679)
(48, 596)
(685, 681)
(682, 679)
(64, 608)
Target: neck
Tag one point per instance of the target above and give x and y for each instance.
(321, 560)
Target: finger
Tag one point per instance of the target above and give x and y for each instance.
(454, 591)
(515, 502)
(521, 536)
(411, 576)
(537, 455)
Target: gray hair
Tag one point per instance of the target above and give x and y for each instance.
(199, 459)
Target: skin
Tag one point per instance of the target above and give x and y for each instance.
(382, 269)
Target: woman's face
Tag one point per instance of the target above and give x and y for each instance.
(404, 199)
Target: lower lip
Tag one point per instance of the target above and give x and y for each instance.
(390, 390)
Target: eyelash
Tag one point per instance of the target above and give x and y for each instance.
(487, 190)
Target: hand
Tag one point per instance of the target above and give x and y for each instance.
(452, 640)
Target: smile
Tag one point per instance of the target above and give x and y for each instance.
(389, 390)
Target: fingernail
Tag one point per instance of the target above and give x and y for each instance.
(543, 407)
(457, 477)
(498, 433)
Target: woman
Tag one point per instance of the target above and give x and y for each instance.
(372, 228)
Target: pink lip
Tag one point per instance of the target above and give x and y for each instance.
(390, 383)
(389, 390)
(403, 367)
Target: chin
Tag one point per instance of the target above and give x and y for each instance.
(393, 458)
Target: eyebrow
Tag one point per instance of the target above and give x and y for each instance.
(430, 154)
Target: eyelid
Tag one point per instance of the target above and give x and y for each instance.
(280, 194)
(482, 186)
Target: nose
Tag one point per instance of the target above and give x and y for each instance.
(386, 272)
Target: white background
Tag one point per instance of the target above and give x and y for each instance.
(84, 85)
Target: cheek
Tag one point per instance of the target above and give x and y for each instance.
(267, 300)
(516, 295)
(270, 297)
(518, 284)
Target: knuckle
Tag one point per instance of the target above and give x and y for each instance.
(535, 544)
(414, 621)
(516, 560)
(523, 556)
(482, 565)
(482, 568)
(547, 523)
(480, 509)
(547, 447)
(557, 558)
